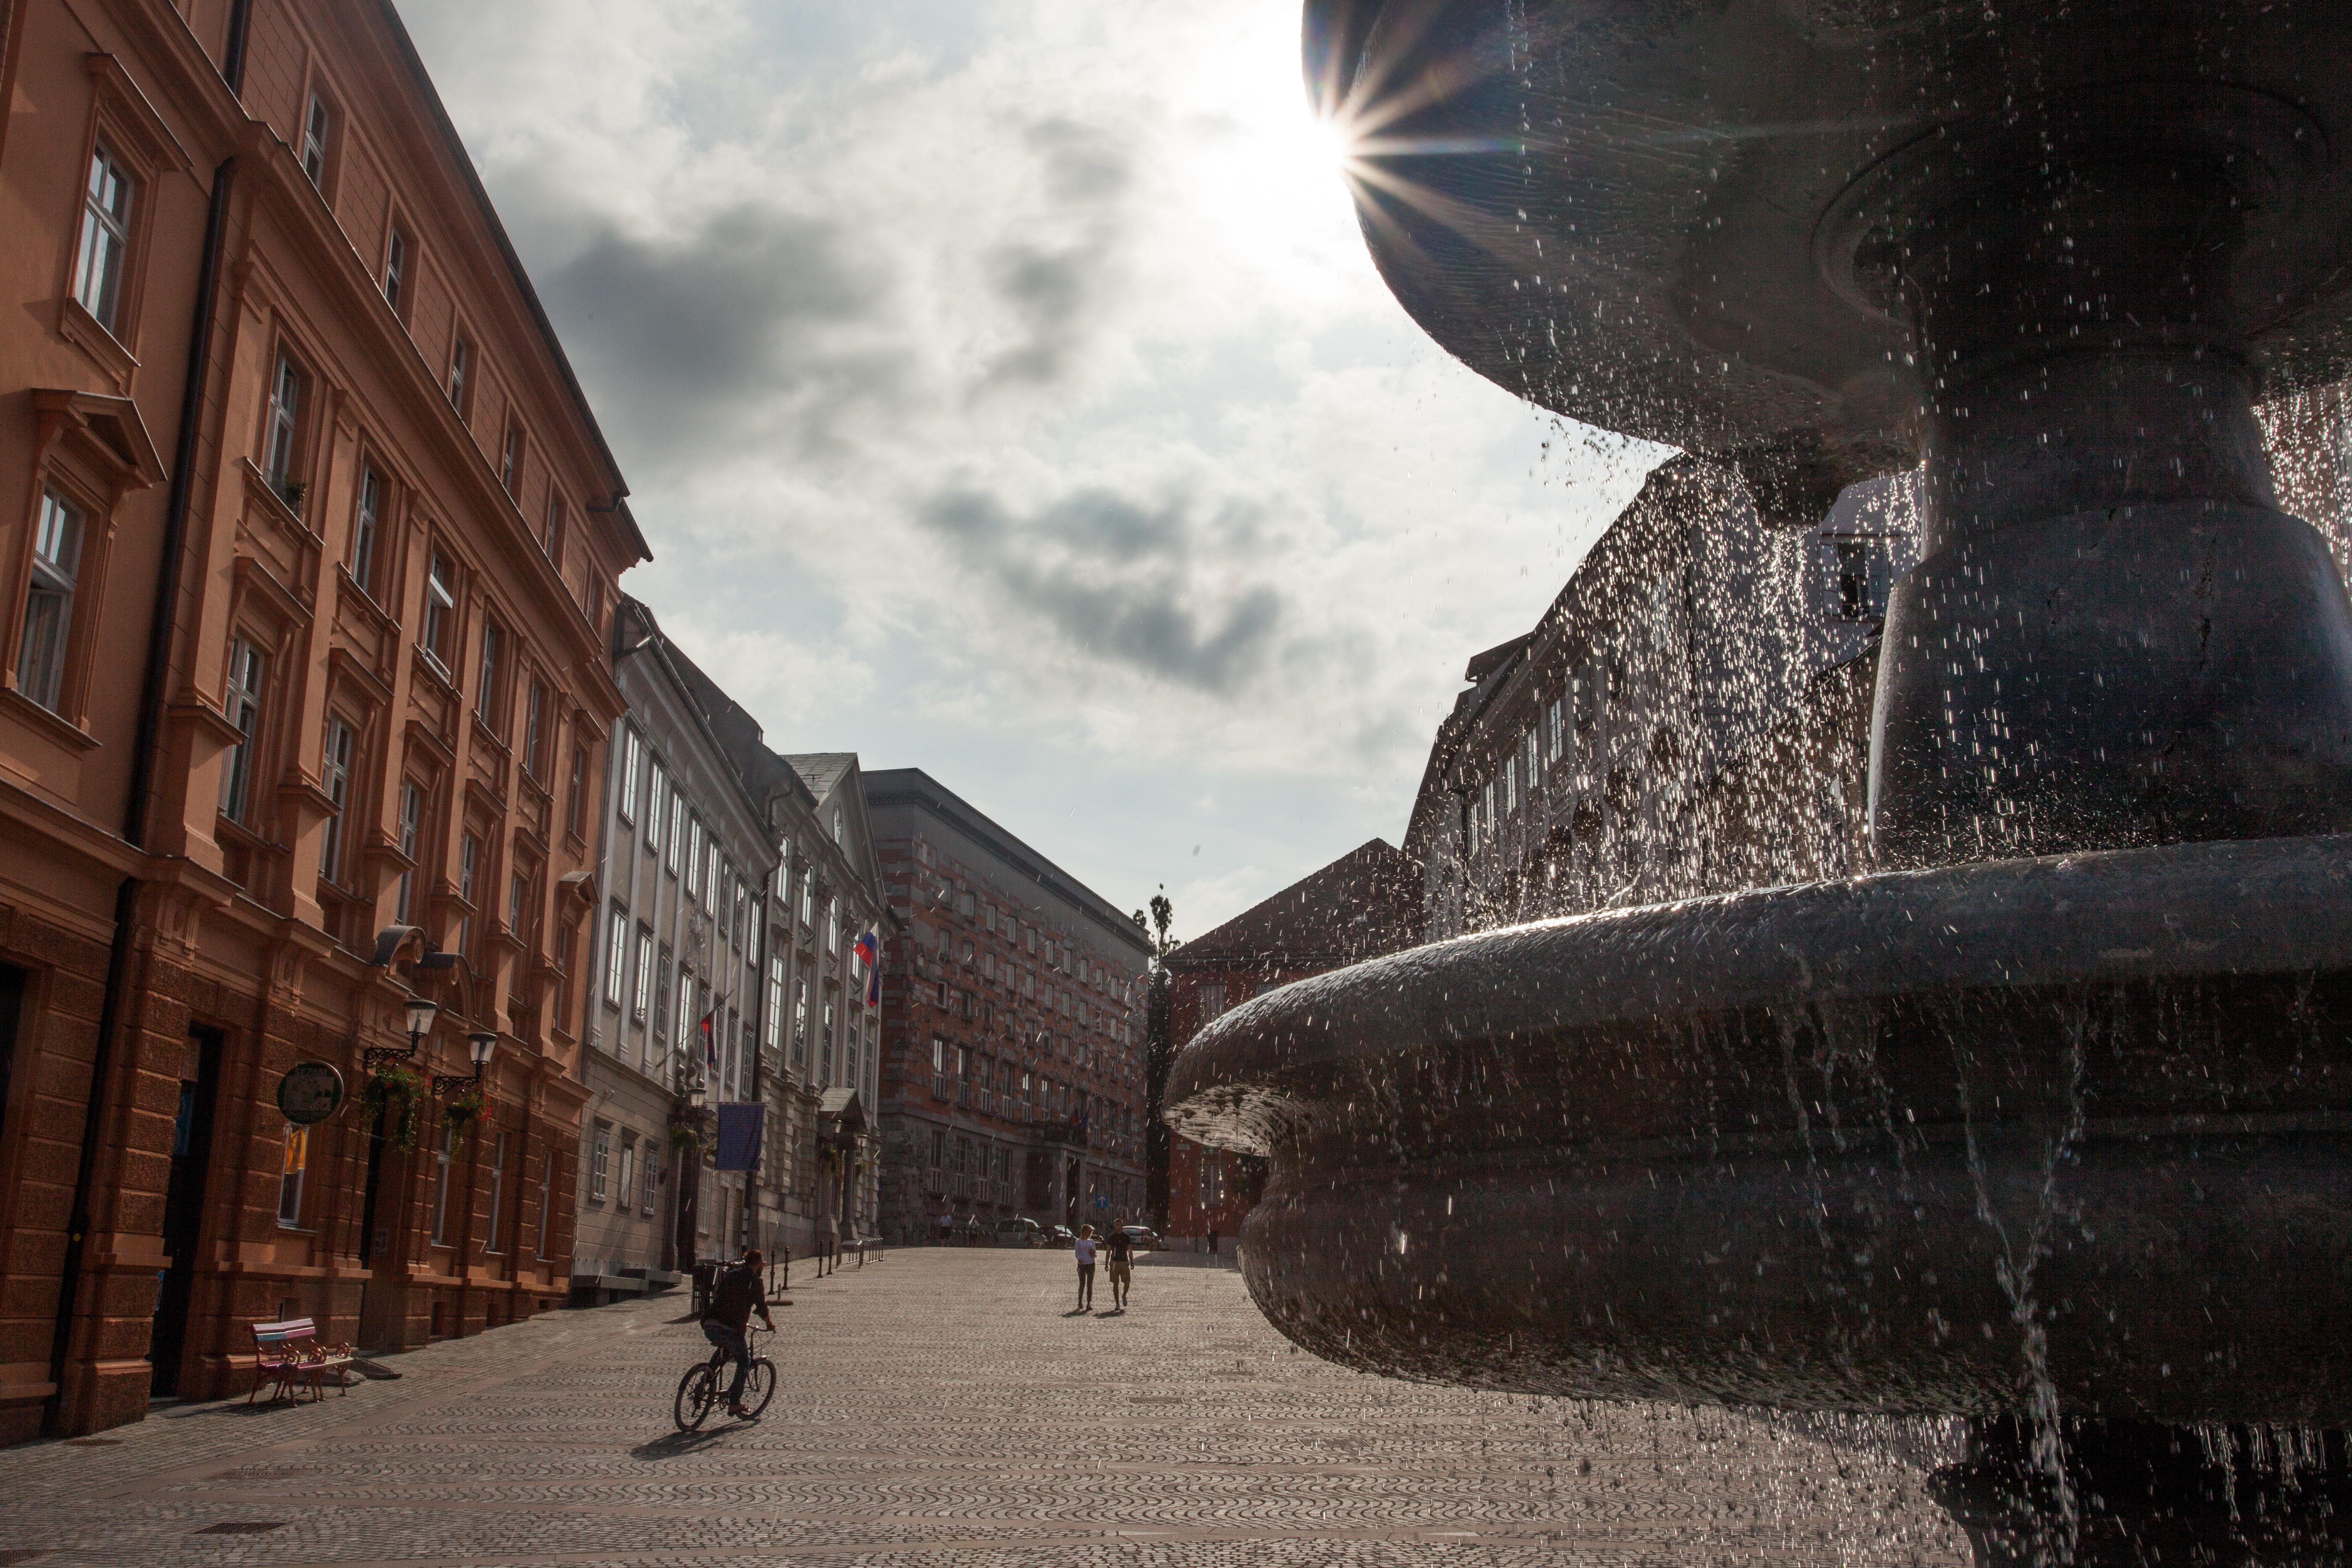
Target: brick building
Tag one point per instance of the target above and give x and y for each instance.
(307, 536)
(1691, 715)
(1366, 903)
(1012, 1066)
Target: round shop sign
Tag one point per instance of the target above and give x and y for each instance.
(310, 1092)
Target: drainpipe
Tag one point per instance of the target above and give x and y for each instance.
(150, 729)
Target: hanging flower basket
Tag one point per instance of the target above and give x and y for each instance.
(686, 1141)
(394, 1092)
(466, 1108)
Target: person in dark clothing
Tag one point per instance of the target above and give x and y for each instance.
(739, 1292)
(1118, 1251)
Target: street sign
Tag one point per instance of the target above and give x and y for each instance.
(310, 1092)
(1102, 1200)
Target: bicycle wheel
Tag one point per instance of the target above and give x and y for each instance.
(759, 1388)
(697, 1391)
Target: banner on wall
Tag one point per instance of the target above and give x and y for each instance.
(739, 1131)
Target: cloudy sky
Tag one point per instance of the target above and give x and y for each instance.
(1005, 391)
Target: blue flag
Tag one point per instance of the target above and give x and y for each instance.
(739, 1130)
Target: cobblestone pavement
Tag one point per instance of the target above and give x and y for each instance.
(938, 1410)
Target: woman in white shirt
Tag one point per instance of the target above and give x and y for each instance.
(1086, 1251)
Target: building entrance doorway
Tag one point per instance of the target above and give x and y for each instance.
(183, 1206)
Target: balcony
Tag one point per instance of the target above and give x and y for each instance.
(943, 1086)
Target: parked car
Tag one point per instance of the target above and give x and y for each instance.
(1020, 1233)
(1061, 1235)
(1142, 1238)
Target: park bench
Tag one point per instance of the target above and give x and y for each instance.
(290, 1357)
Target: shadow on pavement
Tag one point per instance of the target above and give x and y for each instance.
(678, 1445)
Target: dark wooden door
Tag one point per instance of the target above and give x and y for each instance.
(183, 1206)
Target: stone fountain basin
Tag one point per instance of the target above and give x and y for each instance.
(2072, 1132)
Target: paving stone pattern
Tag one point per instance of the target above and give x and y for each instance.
(938, 1410)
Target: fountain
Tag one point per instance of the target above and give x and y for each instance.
(2042, 1125)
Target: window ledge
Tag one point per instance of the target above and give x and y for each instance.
(56, 726)
(87, 333)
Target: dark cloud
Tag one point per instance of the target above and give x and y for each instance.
(1053, 289)
(1083, 165)
(752, 316)
(1109, 577)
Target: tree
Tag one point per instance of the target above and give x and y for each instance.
(1159, 1056)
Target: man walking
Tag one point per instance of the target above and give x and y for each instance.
(1120, 1248)
(1086, 1251)
(734, 1298)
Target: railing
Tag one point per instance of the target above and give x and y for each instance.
(942, 1087)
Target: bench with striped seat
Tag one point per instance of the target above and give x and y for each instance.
(290, 1358)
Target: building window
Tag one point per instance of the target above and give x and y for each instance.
(837, 832)
(800, 1023)
(518, 899)
(824, 1047)
(676, 829)
(246, 663)
(600, 1161)
(316, 126)
(282, 430)
(461, 369)
(105, 238)
(440, 609)
(625, 803)
(575, 808)
(498, 1190)
(685, 1007)
(649, 1176)
(625, 1181)
(469, 856)
(486, 694)
(694, 858)
(616, 957)
(1556, 730)
(442, 1153)
(533, 762)
(296, 1165)
(832, 929)
(412, 811)
(48, 605)
(1858, 577)
(551, 537)
(396, 269)
(511, 458)
(657, 784)
(335, 779)
(645, 973)
(808, 898)
(546, 1203)
(366, 517)
(661, 991)
(773, 1035)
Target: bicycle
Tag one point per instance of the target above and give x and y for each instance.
(700, 1391)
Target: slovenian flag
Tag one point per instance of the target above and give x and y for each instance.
(869, 954)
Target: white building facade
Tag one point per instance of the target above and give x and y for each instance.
(687, 862)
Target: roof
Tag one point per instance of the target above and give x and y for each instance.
(821, 771)
(914, 787)
(464, 161)
(1365, 903)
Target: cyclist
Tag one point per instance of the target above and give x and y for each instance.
(739, 1292)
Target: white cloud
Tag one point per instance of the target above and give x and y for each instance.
(1006, 390)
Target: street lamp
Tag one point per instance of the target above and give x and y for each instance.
(698, 1094)
(480, 1044)
(421, 1013)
